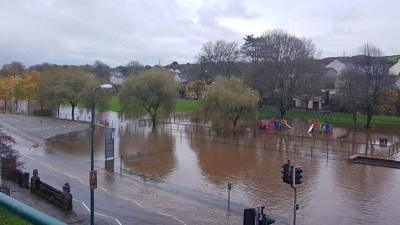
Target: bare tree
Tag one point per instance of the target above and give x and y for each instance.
(375, 67)
(309, 83)
(285, 54)
(219, 58)
(252, 48)
(14, 68)
(351, 86)
(101, 70)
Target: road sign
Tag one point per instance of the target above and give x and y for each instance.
(109, 143)
(93, 179)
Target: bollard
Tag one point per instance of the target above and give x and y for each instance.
(229, 198)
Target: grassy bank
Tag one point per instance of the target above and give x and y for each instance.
(10, 219)
(335, 117)
(187, 105)
(182, 105)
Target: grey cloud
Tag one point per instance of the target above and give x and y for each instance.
(79, 32)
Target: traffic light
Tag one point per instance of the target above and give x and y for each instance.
(286, 173)
(298, 175)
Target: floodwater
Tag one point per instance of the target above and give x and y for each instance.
(334, 191)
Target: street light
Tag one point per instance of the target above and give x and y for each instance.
(92, 172)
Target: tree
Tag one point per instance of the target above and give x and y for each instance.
(152, 91)
(252, 48)
(219, 58)
(309, 83)
(78, 86)
(30, 86)
(101, 70)
(10, 84)
(351, 85)
(284, 55)
(14, 68)
(375, 67)
(51, 89)
(3, 93)
(133, 68)
(229, 99)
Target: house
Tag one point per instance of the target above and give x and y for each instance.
(315, 103)
(338, 66)
(116, 78)
(178, 77)
(395, 69)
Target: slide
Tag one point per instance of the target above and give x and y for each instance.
(311, 128)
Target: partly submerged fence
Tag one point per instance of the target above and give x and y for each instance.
(331, 148)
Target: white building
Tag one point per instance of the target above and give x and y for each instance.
(116, 78)
(395, 69)
(339, 65)
(314, 103)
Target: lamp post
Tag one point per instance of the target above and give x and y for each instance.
(92, 172)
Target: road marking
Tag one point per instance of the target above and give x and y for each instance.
(161, 213)
(107, 192)
(100, 214)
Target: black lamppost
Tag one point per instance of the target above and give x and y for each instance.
(92, 172)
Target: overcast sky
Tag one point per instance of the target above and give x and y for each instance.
(118, 31)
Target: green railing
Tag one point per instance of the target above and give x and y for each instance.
(26, 212)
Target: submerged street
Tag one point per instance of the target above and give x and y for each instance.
(169, 178)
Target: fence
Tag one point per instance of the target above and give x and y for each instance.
(299, 144)
(10, 171)
(62, 199)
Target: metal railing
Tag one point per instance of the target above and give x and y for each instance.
(27, 213)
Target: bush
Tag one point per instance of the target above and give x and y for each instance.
(43, 112)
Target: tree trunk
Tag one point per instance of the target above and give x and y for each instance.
(16, 105)
(58, 111)
(282, 110)
(234, 126)
(28, 107)
(5, 106)
(369, 117)
(73, 111)
(154, 120)
(355, 119)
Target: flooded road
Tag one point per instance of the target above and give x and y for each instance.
(334, 191)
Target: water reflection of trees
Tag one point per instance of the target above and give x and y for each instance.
(149, 154)
(77, 143)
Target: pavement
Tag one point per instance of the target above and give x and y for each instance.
(118, 199)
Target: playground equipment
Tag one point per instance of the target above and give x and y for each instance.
(325, 127)
(273, 123)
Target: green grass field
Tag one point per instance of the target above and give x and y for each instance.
(10, 219)
(113, 104)
(187, 105)
(335, 117)
(182, 105)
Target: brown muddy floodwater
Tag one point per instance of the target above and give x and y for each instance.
(334, 191)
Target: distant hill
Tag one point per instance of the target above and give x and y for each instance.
(393, 58)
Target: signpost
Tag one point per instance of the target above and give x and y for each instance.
(229, 198)
(109, 143)
(93, 179)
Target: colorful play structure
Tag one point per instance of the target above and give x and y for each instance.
(324, 127)
(273, 123)
(316, 126)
